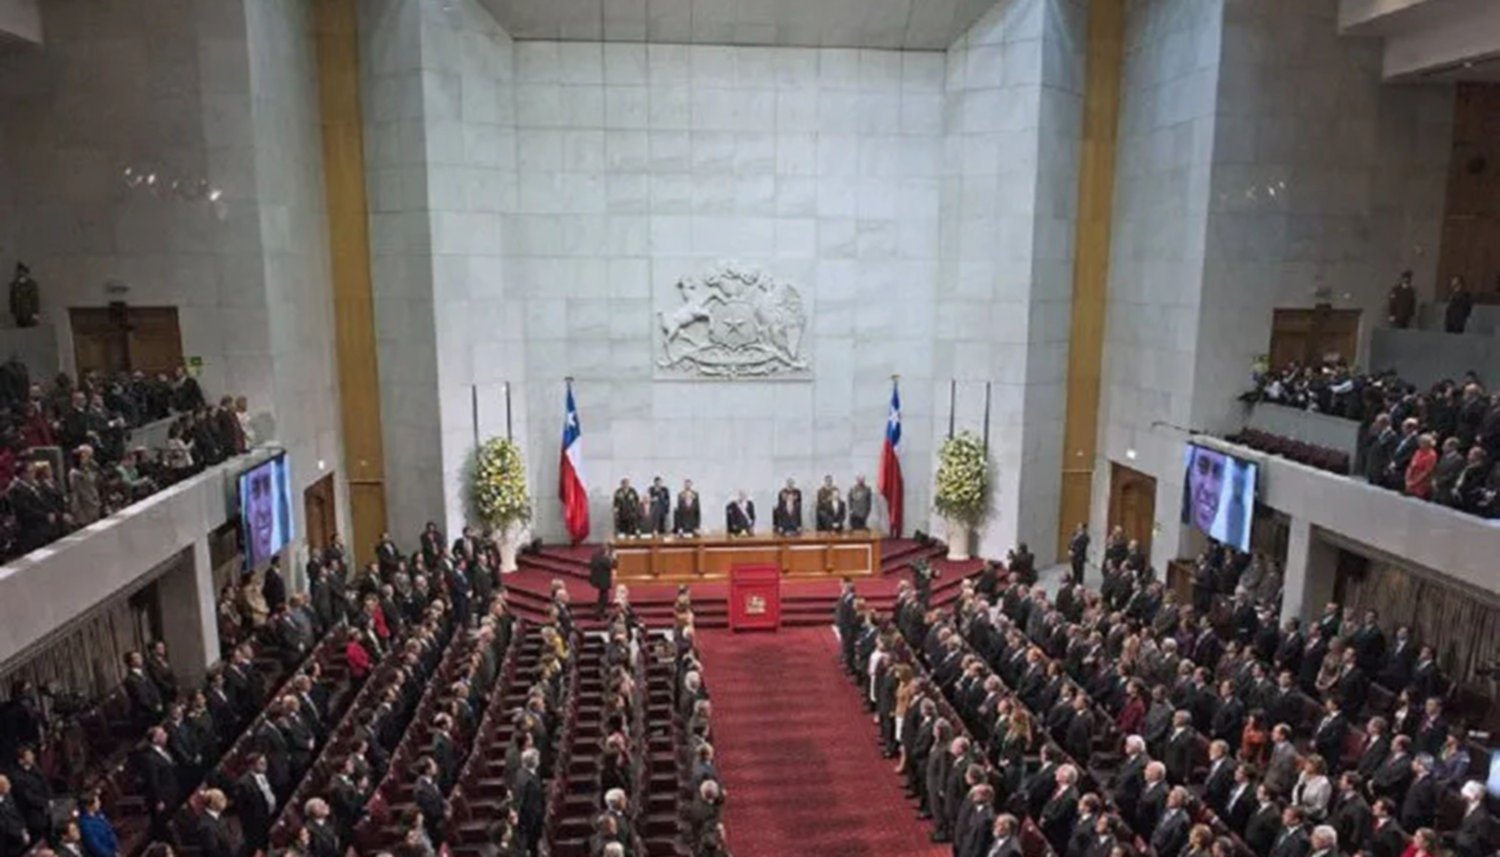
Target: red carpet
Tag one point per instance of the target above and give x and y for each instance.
(798, 755)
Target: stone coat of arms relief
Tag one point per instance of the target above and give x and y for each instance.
(733, 322)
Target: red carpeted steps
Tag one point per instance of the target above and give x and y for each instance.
(797, 752)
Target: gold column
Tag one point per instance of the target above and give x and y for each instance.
(336, 26)
(1096, 184)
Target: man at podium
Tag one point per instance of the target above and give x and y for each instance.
(787, 519)
(739, 516)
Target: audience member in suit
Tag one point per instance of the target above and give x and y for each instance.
(1229, 718)
(1181, 751)
(1005, 842)
(1220, 778)
(1350, 813)
(1089, 811)
(159, 668)
(15, 839)
(1060, 811)
(273, 586)
(215, 837)
(1352, 686)
(1171, 831)
(1328, 737)
(1265, 823)
(530, 800)
(1324, 842)
(1432, 730)
(146, 704)
(1420, 806)
(1426, 680)
(255, 803)
(1476, 832)
(1394, 775)
(1291, 840)
(158, 775)
(323, 836)
(1377, 748)
(1241, 800)
(1281, 770)
(32, 793)
(975, 828)
(1387, 839)
(428, 795)
(1400, 662)
(1130, 777)
(1153, 800)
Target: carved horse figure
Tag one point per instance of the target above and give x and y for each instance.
(675, 325)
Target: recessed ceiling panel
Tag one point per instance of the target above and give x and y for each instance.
(898, 24)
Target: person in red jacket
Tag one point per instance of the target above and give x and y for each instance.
(1132, 716)
(357, 658)
(1419, 471)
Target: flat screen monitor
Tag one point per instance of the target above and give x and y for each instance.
(1218, 495)
(265, 493)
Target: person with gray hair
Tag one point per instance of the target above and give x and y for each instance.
(1325, 841)
(530, 800)
(1476, 835)
(1419, 808)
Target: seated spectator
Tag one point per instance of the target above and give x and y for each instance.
(96, 833)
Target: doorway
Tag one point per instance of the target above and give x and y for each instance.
(322, 517)
(1310, 336)
(120, 338)
(1132, 503)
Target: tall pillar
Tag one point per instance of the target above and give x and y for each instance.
(1311, 569)
(336, 28)
(1096, 186)
(189, 621)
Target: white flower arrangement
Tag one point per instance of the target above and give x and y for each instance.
(962, 480)
(500, 493)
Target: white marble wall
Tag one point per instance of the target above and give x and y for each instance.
(1304, 208)
(1012, 124)
(401, 259)
(1163, 159)
(287, 139)
(215, 96)
(643, 164)
(1261, 164)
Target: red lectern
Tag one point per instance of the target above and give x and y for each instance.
(755, 597)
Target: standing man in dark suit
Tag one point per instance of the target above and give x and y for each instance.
(255, 803)
(1328, 737)
(158, 775)
(1292, 840)
(1061, 809)
(1241, 801)
(1171, 831)
(15, 839)
(1476, 832)
(1182, 748)
(787, 518)
(601, 576)
(659, 499)
(1264, 824)
(146, 703)
(1005, 843)
(1350, 813)
(530, 801)
(846, 619)
(1078, 551)
(1220, 780)
(32, 794)
(1387, 839)
(1420, 806)
(273, 586)
(739, 516)
(688, 519)
(429, 799)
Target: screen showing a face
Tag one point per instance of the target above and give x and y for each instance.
(265, 510)
(1218, 495)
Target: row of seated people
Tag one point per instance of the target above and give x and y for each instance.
(1019, 656)
(941, 758)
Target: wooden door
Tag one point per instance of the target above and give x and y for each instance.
(318, 509)
(124, 339)
(1301, 335)
(1132, 503)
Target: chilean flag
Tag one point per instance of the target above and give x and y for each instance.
(571, 489)
(890, 463)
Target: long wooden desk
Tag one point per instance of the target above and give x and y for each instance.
(812, 556)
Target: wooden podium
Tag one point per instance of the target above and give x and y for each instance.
(812, 556)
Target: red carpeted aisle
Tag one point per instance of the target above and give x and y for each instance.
(798, 753)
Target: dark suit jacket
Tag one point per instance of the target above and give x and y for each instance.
(1171, 833)
(737, 521)
(1420, 806)
(1058, 816)
(215, 838)
(1262, 828)
(1388, 841)
(1476, 835)
(1293, 843)
(158, 778)
(1237, 813)
(1351, 817)
(1218, 784)
(1180, 754)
